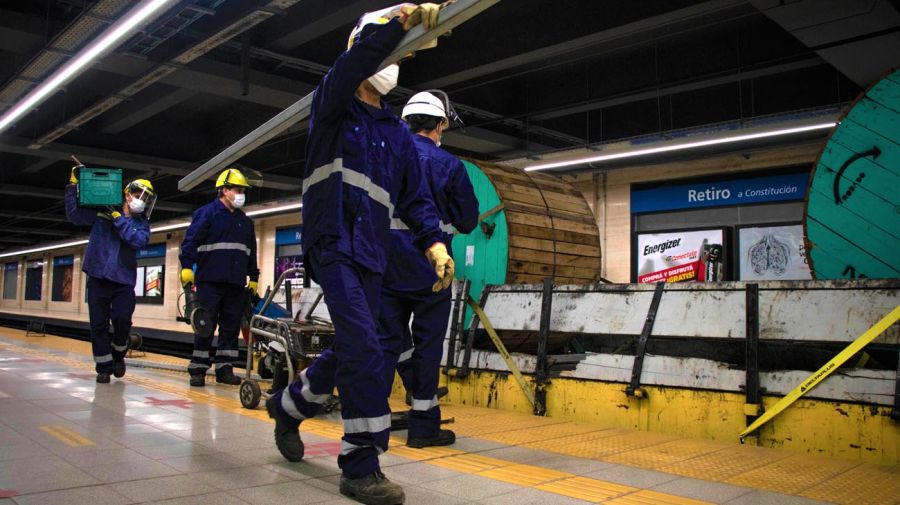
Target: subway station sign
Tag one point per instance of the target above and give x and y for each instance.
(774, 188)
(288, 236)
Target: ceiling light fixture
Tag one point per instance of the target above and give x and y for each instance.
(157, 229)
(679, 146)
(107, 41)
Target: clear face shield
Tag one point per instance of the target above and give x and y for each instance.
(146, 198)
(452, 116)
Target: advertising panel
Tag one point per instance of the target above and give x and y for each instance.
(153, 281)
(680, 256)
(772, 253)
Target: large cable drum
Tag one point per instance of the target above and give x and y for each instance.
(853, 209)
(532, 226)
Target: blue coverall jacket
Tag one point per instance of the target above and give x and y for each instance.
(111, 252)
(222, 244)
(454, 197)
(362, 164)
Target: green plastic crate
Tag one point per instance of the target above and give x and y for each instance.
(100, 187)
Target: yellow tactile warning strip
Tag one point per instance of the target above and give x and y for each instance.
(829, 479)
(647, 497)
(67, 436)
(587, 489)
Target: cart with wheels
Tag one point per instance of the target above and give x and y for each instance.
(301, 339)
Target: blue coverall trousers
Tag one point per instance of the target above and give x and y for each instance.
(354, 364)
(430, 314)
(224, 304)
(107, 301)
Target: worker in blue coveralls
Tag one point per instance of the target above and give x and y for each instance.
(110, 262)
(221, 241)
(361, 170)
(409, 279)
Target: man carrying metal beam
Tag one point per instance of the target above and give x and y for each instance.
(361, 169)
(409, 288)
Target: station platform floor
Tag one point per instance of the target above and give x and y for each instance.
(150, 438)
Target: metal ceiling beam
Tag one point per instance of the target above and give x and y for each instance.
(619, 36)
(842, 30)
(93, 155)
(449, 18)
(39, 165)
(202, 76)
(484, 137)
(33, 191)
(34, 217)
(16, 240)
(106, 157)
(35, 231)
(158, 72)
(126, 117)
(342, 15)
(601, 103)
(57, 51)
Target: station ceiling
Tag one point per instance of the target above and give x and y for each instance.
(527, 76)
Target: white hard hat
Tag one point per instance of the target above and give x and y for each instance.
(426, 104)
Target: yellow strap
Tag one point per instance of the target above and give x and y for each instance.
(502, 349)
(822, 373)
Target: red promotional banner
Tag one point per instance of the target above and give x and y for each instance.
(682, 273)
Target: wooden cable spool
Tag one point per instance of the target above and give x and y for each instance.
(532, 226)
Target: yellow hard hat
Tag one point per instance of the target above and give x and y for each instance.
(232, 177)
(140, 185)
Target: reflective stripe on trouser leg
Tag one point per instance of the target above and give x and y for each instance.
(431, 315)
(122, 309)
(404, 362)
(312, 387)
(352, 296)
(394, 337)
(224, 303)
(100, 295)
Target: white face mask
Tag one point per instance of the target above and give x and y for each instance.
(386, 80)
(239, 200)
(136, 205)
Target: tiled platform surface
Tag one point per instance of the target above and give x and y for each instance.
(151, 438)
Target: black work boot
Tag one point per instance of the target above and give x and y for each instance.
(444, 437)
(374, 489)
(119, 372)
(102, 377)
(198, 380)
(287, 433)
(226, 376)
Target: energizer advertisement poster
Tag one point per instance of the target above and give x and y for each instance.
(680, 256)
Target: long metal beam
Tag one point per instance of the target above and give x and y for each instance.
(449, 18)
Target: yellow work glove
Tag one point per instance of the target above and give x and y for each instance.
(73, 177)
(425, 14)
(187, 277)
(115, 214)
(253, 286)
(443, 266)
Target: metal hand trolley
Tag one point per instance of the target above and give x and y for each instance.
(302, 340)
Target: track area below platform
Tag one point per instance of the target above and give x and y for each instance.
(149, 437)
